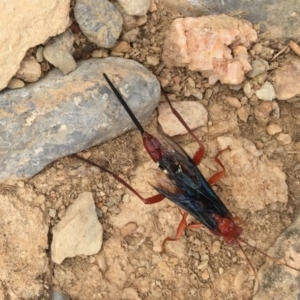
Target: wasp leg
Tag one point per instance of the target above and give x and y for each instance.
(220, 174)
(150, 200)
(180, 229)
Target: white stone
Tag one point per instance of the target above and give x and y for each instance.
(79, 231)
(31, 25)
(266, 92)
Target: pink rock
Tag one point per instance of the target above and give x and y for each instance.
(286, 79)
(205, 44)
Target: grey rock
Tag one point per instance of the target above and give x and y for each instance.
(278, 281)
(266, 92)
(258, 67)
(79, 231)
(279, 19)
(60, 115)
(58, 52)
(99, 20)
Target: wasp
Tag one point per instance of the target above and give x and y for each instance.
(183, 183)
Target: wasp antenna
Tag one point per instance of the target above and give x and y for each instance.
(276, 260)
(249, 262)
(121, 99)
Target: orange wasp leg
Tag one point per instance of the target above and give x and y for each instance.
(220, 174)
(180, 229)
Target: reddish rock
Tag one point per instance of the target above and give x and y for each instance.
(214, 45)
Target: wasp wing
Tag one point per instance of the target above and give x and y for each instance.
(185, 185)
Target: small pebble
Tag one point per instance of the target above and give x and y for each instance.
(122, 47)
(52, 212)
(104, 208)
(248, 89)
(243, 113)
(234, 102)
(203, 265)
(152, 60)
(257, 48)
(191, 82)
(39, 54)
(266, 92)
(128, 229)
(144, 286)
(92, 259)
(258, 67)
(153, 6)
(221, 270)
(208, 93)
(15, 83)
(204, 257)
(177, 79)
(40, 199)
(205, 275)
(131, 36)
(99, 53)
(21, 184)
(126, 198)
(235, 87)
(216, 246)
(285, 139)
(273, 128)
(115, 210)
(99, 212)
(197, 94)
